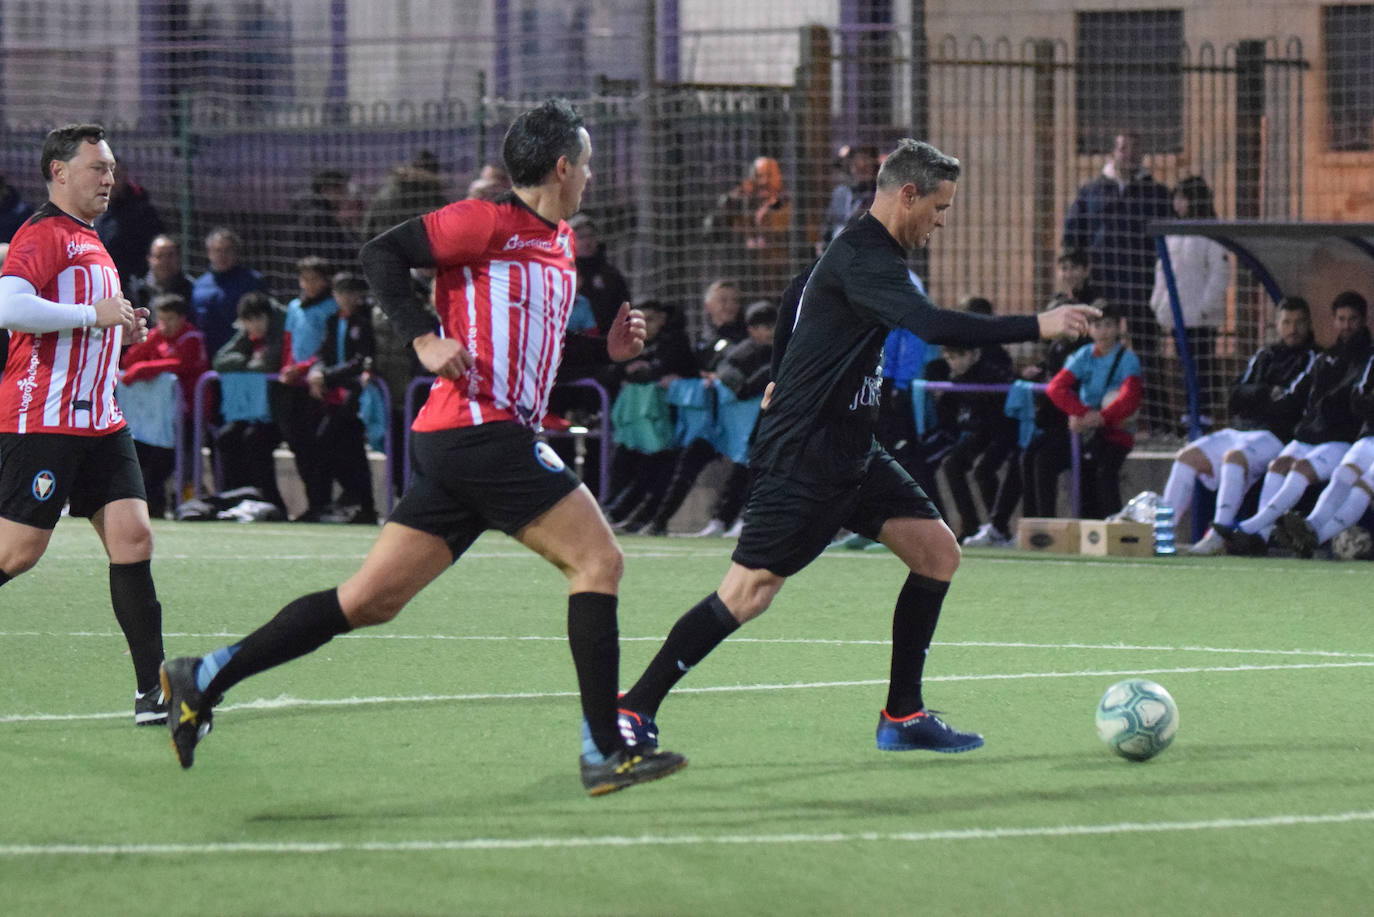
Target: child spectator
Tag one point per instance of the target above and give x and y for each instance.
(743, 375)
(693, 400)
(174, 346)
(986, 436)
(246, 364)
(1047, 455)
(728, 411)
(300, 415)
(642, 417)
(1099, 389)
(337, 377)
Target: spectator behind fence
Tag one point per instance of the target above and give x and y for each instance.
(174, 345)
(491, 182)
(337, 378)
(597, 279)
(1107, 219)
(164, 274)
(693, 400)
(396, 365)
(1048, 455)
(326, 222)
(741, 378)
(1099, 389)
(1202, 273)
(246, 365)
(215, 294)
(1329, 424)
(751, 220)
(128, 226)
(1266, 404)
(852, 196)
(986, 434)
(410, 189)
(298, 414)
(14, 210)
(643, 419)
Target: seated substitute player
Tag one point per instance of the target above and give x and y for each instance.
(817, 466)
(1265, 405)
(478, 464)
(1344, 500)
(62, 437)
(1327, 428)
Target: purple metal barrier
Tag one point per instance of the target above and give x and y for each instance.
(199, 405)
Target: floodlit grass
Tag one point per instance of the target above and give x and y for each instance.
(429, 767)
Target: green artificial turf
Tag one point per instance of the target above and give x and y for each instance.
(429, 766)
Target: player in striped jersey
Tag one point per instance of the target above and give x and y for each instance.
(62, 437)
(505, 286)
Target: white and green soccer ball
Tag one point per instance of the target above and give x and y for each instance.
(1137, 719)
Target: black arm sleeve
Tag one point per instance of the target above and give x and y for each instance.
(872, 276)
(946, 326)
(387, 261)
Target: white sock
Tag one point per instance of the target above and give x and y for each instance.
(1272, 482)
(1294, 486)
(1178, 492)
(1230, 492)
(1333, 495)
(1349, 513)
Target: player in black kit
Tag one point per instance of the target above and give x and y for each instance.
(816, 467)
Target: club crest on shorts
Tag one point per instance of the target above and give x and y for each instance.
(43, 484)
(544, 454)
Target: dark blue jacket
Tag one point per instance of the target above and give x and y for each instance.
(1109, 223)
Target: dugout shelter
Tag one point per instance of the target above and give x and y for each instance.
(1313, 260)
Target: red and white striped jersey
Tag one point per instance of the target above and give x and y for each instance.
(505, 287)
(62, 381)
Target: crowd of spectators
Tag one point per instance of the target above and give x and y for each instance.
(297, 368)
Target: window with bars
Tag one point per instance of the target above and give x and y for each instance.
(1129, 76)
(1348, 31)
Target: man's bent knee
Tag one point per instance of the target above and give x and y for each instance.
(1195, 459)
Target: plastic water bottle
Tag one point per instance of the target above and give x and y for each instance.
(1164, 530)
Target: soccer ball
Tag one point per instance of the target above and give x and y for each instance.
(1354, 543)
(1137, 719)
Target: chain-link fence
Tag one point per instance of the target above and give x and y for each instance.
(229, 114)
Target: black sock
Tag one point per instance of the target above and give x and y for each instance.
(140, 617)
(695, 634)
(301, 627)
(4, 577)
(913, 627)
(594, 638)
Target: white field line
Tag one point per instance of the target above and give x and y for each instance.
(684, 840)
(804, 641)
(288, 701)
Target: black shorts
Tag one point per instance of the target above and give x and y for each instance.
(41, 472)
(493, 476)
(787, 524)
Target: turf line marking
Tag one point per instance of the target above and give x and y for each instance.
(286, 701)
(684, 840)
(802, 641)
